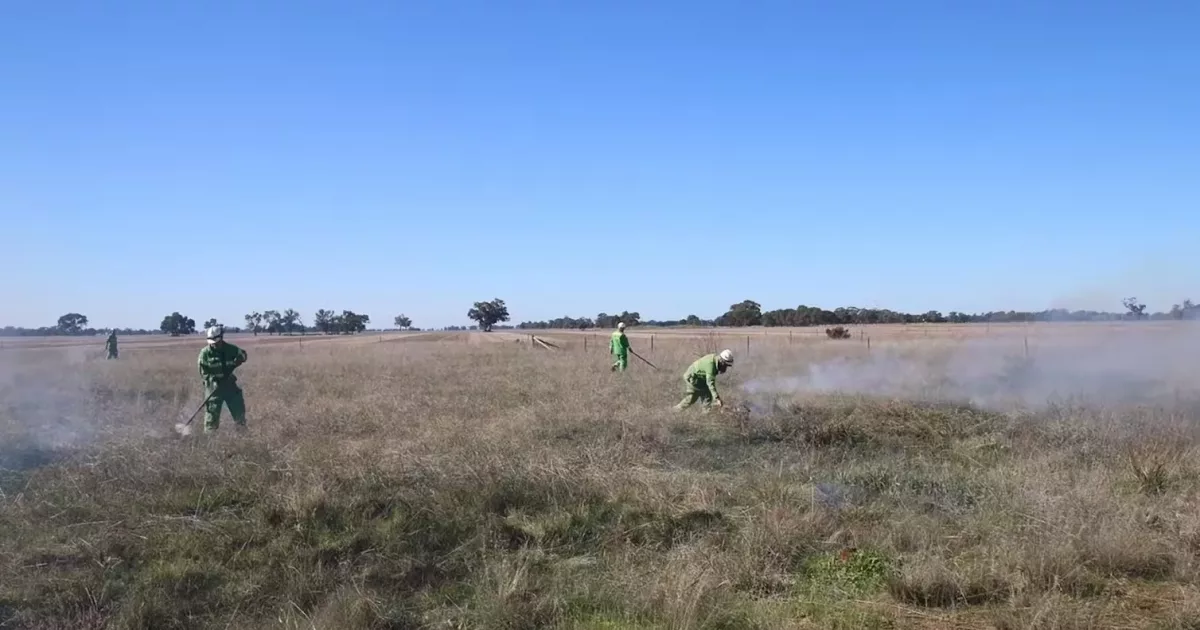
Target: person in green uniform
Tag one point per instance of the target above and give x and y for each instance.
(217, 362)
(110, 345)
(618, 346)
(700, 380)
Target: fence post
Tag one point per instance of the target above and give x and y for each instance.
(585, 343)
(651, 343)
(747, 345)
(868, 343)
(1026, 346)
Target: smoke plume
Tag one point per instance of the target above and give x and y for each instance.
(1109, 367)
(46, 404)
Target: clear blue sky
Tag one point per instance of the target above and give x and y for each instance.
(570, 157)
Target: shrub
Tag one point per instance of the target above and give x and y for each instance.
(837, 332)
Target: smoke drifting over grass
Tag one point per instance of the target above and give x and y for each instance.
(1145, 368)
(45, 405)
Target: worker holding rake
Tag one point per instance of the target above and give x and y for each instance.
(217, 362)
(701, 380)
(618, 346)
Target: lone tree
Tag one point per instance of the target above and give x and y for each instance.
(745, 313)
(323, 321)
(274, 321)
(210, 323)
(176, 324)
(403, 322)
(71, 323)
(1136, 310)
(254, 322)
(489, 314)
(290, 321)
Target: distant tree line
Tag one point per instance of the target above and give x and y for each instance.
(69, 324)
(750, 313)
(604, 320)
(73, 324)
(489, 315)
(285, 322)
(325, 321)
(476, 327)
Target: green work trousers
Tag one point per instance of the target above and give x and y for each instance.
(230, 396)
(112, 353)
(621, 363)
(695, 391)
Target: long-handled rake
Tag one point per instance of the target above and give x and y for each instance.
(183, 428)
(643, 359)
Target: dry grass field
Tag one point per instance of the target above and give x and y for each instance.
(945, 477)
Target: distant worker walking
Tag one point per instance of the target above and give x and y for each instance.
(700, 380)
(110, 345)
(618, 346)
(217, 362)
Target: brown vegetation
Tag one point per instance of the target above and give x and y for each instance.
(440, 483)
(837, 332)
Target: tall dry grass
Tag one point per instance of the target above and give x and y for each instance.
(434, 484)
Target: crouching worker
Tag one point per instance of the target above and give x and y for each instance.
(700, 380)
(217, 362)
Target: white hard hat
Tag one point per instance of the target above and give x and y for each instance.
(214, 333)
(726, 356)
(620, 325)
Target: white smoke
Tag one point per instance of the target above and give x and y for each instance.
(46, 403)
(1153, 366)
